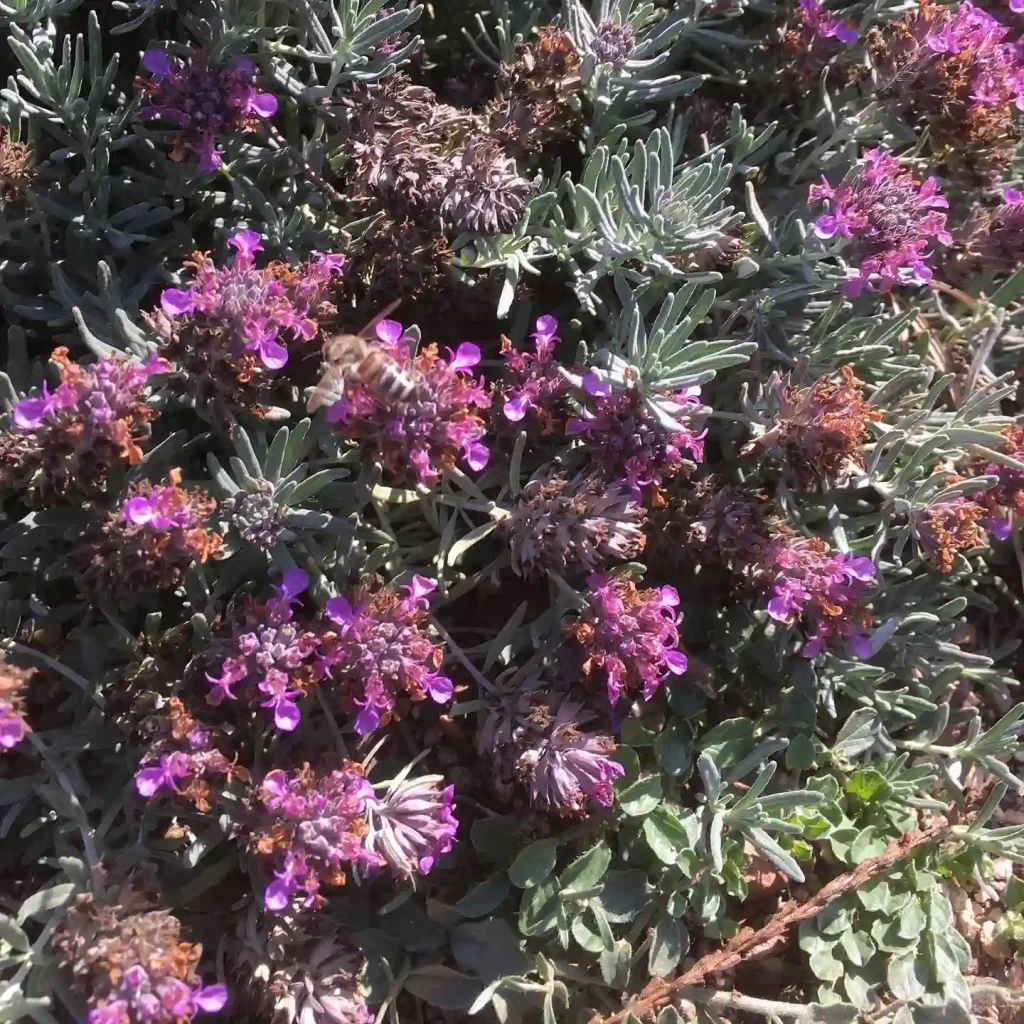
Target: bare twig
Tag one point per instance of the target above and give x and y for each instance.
(749, 944)
(717, 999)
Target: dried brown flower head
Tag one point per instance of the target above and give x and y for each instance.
(820, 430)
(16, 169)
(948, 527)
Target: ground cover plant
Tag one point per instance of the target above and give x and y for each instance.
(511, 510)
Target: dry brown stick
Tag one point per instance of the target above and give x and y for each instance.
(749, 944)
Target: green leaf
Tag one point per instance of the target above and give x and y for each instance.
(800, 754)
(615, 964)
(874, 895)
(867, 785)
(46, 900)
(666, 835)
(907, 977)
(442, 987)
(669, 944)
(674, 747)
(414, 931)
(534, 864)
(728, 742)
(857, 947)
(866, 845)
(825, 966)
(625, 894)
(494, 838)
(13, 934)
(587, 870)
(635, 734)
(489, 949)
(913, 920)
(641, 797)
(540, 908)
(484, 897)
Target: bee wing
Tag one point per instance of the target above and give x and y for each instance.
(329, 390)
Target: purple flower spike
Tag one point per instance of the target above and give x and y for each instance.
(413, 825)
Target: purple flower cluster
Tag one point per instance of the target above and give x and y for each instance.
(436, 427)
(413, 825)
(183, 759)
(628, 638)
(143, 997)
(539, 738)
(889, 220)
(826, 590)
(613, 43)
(817, 23)
(205, 103)
(273, 659)
(382, 652)
(533, 384)
(625, 439)
(255, 306)
(315, 825)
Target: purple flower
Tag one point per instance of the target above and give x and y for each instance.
(271, 659)
(625, 440)
(889, 221)
(613, 43)
(578, 525)
(435, 428)
(413, 825)
(819, 23)
(313, 827)
(826, 590)
(257, 307)
(383, 652)
(628, 637)
(204, 103)
(533, 382)
(164, 507)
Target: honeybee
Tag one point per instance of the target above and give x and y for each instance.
(364, 360)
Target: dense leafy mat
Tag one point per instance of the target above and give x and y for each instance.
(630, 625)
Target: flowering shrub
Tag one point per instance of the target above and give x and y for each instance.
(511, 512)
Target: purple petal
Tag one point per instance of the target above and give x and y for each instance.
(12, 732)
(1000, 528)
(861, 568)
(246, 243)
(263, 104)
(676, 662)
(846, 33)
(209, 155)
(149, 780)
(293, 582)
(211, 998)
(138, 510)
(244, 66)
(421, 586)
(779, 608)
(861, 645)
(367, 720)
(826, 226)
(340, 611)
(277, 896)
(1012, 195)
(176, 302)
(515, 408)
(389, 332)
(440, 689)
(548, 325)
(466, 356)
(593, 385)
(287, 715)
(476, 455)
(272, 353)
(156, 62)
(30, 412)
(275, 783)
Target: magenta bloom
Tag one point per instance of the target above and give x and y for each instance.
(12, 725)
(272, 662)
(204, 103)
(628, 637)
(889, 220)
(533, 382)
(826, 590)
(257, 307)
(822, 25)
(382, 652)
(143, 996)
(626, 440)
(314, 826)
(413, 825)
(438, 427)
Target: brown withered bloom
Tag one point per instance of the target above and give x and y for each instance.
(715, 254)
(535, 103)
(148, 544)
(13, 683)
(820, 430)
(991, 240)
(127, 957)
(571, 526)
(483, 191)
(947, 527)
(16, 169)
